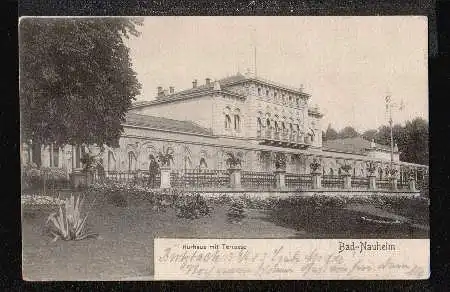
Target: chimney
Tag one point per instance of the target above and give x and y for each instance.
(194, 83)
(171, 90)
(208, 81)
(160, 90)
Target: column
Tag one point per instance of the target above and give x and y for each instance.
(372, 182)
(280, 179)
(235, 178)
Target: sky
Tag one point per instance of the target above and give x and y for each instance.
(347, 64)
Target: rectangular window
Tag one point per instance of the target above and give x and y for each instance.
(55, 156)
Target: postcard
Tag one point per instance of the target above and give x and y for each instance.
(187, 148)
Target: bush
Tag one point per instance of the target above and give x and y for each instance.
(236, 212)
(118, 200)
(192, 206)
(51, 177)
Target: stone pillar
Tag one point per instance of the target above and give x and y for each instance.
(316, 180)
(280, 179)
(372, 182)
(235, 178)
(393, 180)
(412, 184)
(347, 181)
(165, 177)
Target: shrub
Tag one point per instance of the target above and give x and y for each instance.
(69, 224)
(192, 206)
(236, 212)
(118, 200)
(33, 177)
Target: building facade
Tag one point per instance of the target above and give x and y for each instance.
(242, 114)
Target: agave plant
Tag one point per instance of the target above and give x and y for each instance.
(234, 160)
(346, 168)
(68, 224)
(371, 167)
(315, 165)
(166, 156)
(280, 161)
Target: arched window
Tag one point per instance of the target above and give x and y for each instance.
(268, 123)
(331, 171)
(267, 93)
(258, 124)
(237, 122)
(203, 164)
(131, 161)
(227, 121)
(283, 127)
(259, 91)
(276, 126)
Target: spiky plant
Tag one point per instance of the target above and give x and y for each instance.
(280, 161)
(371, 167)
(315, 165)
(346, 168)
(234, 160)
(68, 224)
(166, 156)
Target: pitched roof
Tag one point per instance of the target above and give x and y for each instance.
(357, 145)
(153, 122)
(200, 88)
(224, 82)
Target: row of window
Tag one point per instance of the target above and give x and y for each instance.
(278, 126)
(236, 122)
(280, 97)
(132, 162)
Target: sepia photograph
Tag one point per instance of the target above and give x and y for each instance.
(139, 129)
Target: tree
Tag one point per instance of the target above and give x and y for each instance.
(369, 134)
(76, 79)
(411, 139)
(331, 133)
(416, 149)
(348, 132)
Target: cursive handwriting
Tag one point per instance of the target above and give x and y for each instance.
(245, 262)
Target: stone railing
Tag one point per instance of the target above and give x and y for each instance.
(243, 179)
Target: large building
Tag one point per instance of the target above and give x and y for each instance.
(241, 113)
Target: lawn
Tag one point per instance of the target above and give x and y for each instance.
(124, 248)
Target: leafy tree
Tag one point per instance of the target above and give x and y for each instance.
(369, 134)
(416, 149)
(76, 79)
(331, 133)
(411, 139)
(348, 132)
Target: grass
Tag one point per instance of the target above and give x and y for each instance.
(124, 249)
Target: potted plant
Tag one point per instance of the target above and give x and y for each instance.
(165, 158)
(234, 163)
(280, 161)
(346, 169)
(89, 162)
(371, 168)
(315, 166)
(234, 160)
